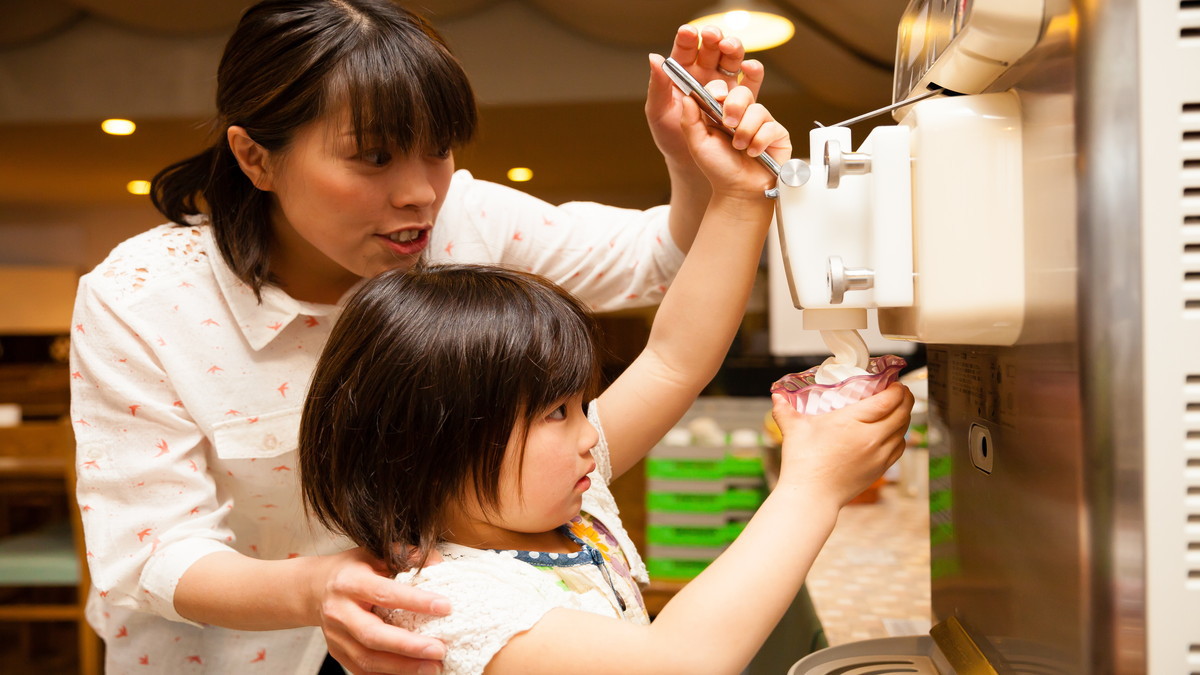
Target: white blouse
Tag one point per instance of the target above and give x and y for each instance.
(187, 392)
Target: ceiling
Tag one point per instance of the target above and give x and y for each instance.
(560, 84)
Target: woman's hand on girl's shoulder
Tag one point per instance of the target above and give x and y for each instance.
(350, 586)
(841, 453)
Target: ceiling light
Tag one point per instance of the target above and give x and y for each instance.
(138, 187)
(118, 127)
(520, 174)
(755, 23)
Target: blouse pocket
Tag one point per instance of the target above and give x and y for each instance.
(258, 437)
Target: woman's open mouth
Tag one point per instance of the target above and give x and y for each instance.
(407, 242)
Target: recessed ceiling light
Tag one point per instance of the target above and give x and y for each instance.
(138, 187)
(118, 127)
(520, 174)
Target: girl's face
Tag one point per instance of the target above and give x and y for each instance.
(544, 488)
(539, 492)
(341, 214)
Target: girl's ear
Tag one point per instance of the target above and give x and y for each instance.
(253, 158)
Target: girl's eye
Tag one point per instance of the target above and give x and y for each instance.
(376, 157)
(559, 413)
(441, 153)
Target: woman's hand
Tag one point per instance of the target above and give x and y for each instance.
(343, 594)
(728, 163)
(708, 56)
(840, 453)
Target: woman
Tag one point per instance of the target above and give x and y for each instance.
(194, 342)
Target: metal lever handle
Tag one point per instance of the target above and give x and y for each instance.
(838, 164)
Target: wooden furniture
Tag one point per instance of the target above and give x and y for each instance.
(40, 456)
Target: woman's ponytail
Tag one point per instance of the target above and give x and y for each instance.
(212, 183)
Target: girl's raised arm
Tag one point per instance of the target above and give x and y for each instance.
(701, 312)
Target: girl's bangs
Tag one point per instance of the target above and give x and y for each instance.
(569, 365)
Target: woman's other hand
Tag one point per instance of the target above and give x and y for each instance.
(841, 453)
(709, 56)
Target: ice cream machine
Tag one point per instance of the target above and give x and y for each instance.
(923, 221)
(1033, 217)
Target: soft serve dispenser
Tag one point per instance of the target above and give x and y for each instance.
(1033, 217)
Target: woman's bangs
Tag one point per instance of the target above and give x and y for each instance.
(413, 98)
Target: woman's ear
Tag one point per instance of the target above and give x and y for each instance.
(252, 157)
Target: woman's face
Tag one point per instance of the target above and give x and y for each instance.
(341, 214)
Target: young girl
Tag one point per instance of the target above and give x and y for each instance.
(451, 412)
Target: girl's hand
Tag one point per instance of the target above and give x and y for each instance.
(350, 584)
(840, 453)
(705, 54)
(729, 163)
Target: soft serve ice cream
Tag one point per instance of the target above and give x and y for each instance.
(850, 356)
(849, 375)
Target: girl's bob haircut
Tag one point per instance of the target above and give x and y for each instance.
(291, 62)
(426, 377)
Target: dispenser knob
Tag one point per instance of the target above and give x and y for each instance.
(794, 172)
(842, 279)
(838, 163)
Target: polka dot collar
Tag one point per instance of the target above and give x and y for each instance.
(588, 555)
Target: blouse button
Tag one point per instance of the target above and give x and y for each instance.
(269, 441)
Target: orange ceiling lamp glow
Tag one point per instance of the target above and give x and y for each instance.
(118, 127)
(138, 187)
(756, 24)
(520, 174)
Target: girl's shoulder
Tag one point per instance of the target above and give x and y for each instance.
(493, 597)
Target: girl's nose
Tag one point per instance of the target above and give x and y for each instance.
(588, 438)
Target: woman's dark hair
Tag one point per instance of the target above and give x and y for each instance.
(291, 62)
(426, 376)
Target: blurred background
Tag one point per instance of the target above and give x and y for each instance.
(560, 83)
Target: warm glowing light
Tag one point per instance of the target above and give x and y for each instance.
(754, 24)
(138, 187)
(520, 174)
(738, 19)
(118, 127)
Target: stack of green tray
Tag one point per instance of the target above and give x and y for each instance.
(698, 499)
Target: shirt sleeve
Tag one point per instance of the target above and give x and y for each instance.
(609, 257)
(493, 600)
(150, 508)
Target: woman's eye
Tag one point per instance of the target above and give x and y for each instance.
(559, 413)
(376, 157)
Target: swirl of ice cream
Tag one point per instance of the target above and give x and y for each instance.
(850, 356)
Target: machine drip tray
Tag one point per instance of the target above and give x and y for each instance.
(908, 654)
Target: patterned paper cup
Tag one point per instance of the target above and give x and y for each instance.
(810, 398)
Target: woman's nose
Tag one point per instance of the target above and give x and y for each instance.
(412, 185)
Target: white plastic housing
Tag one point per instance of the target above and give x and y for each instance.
(866, 221)
(939, 218)
(968, 223)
